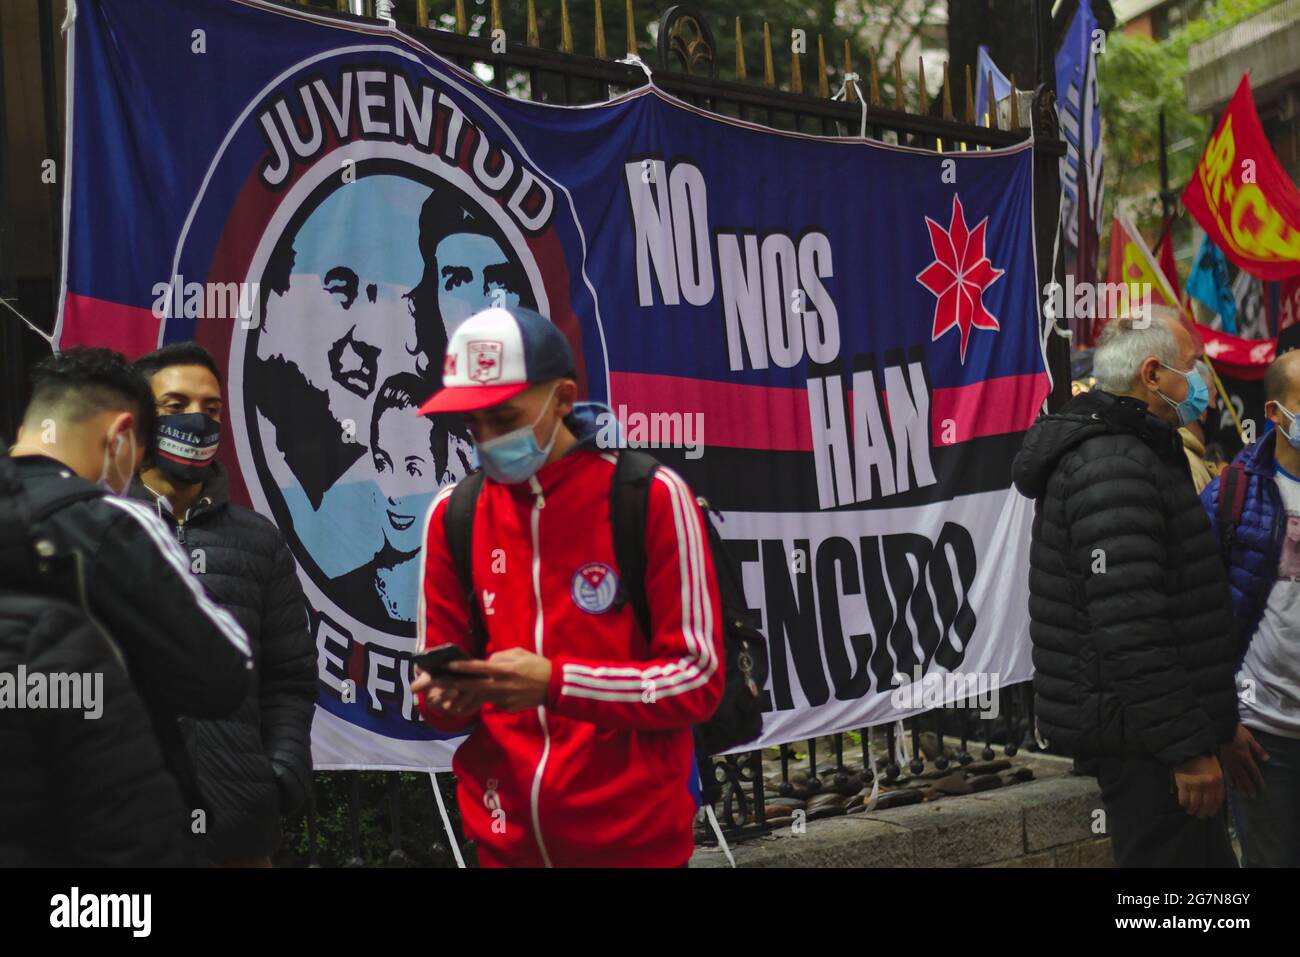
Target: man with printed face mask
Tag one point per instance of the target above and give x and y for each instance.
(1129, 610)
(255, 764)
(1254, 506)
(581, 747)
(91, 420)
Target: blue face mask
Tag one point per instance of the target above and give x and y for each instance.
(515, 457)
(1293, 431)
(1198, 396)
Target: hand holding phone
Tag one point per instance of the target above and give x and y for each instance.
(435, 660)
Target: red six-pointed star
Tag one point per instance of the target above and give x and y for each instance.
(958, 276)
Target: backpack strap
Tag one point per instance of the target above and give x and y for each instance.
(629, 504)
(1233, 484)
(458, 521)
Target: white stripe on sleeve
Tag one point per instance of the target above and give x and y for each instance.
(608, 683)
(424, 549)
(176, 557)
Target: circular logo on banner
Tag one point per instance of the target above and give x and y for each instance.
(365, 239)
(594, 587)
(363, 283)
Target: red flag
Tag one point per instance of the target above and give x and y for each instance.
(1243, 198)
(1237, 358)
(1288, 304)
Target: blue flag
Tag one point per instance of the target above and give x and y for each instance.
(1209, 283)
(1001, 85)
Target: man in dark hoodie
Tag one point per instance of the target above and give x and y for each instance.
(1129, 607)
(255, 764)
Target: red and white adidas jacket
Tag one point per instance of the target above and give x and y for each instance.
(600, 774)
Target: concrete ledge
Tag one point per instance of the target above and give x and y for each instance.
(1042, 823)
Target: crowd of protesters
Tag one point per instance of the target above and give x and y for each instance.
(1165, 601)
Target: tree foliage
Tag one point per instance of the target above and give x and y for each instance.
(1138, 78)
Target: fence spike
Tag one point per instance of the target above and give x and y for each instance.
(769, 70)
(924, 95)
(534, 38)
(462, 21)
(898, 82)
(600, 33)
(1015, 105)
(631, 30)
(496, 15)
(970, 96)
(740, 53)
(566, 28)
(422, 13)
(823, 85)
(993, 104)
(875, 77)
(796, 70)
(850, 87)
(947, 93)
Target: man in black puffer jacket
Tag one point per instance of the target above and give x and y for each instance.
(1129, 608)
(255, 765)
(80, 790)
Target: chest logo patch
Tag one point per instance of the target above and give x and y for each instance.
(594, 587)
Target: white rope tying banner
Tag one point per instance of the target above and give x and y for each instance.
(842, 94)
(635, 60)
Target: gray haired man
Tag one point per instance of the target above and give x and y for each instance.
(1129, 608)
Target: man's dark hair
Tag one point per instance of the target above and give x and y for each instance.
(445, 213)
(177, 354)
(81, 383)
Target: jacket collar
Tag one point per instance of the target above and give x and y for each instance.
(1258, 456)
(214, 495)
(553, 474)
(1123, 413)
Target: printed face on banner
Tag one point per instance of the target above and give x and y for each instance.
(363, 286)
(366, 256)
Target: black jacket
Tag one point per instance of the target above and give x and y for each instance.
(256, 763)
(182, 653)
(78, 791)
(1129, 609)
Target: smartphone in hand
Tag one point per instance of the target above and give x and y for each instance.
(435, 661)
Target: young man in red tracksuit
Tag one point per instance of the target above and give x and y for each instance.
(580, 750)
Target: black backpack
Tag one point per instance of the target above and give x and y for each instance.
(739, 718)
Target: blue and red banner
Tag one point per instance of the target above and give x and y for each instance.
(834, 340)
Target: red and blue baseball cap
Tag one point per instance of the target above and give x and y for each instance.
(496, 354)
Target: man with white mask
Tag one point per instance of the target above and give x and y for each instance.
(1254, 507)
